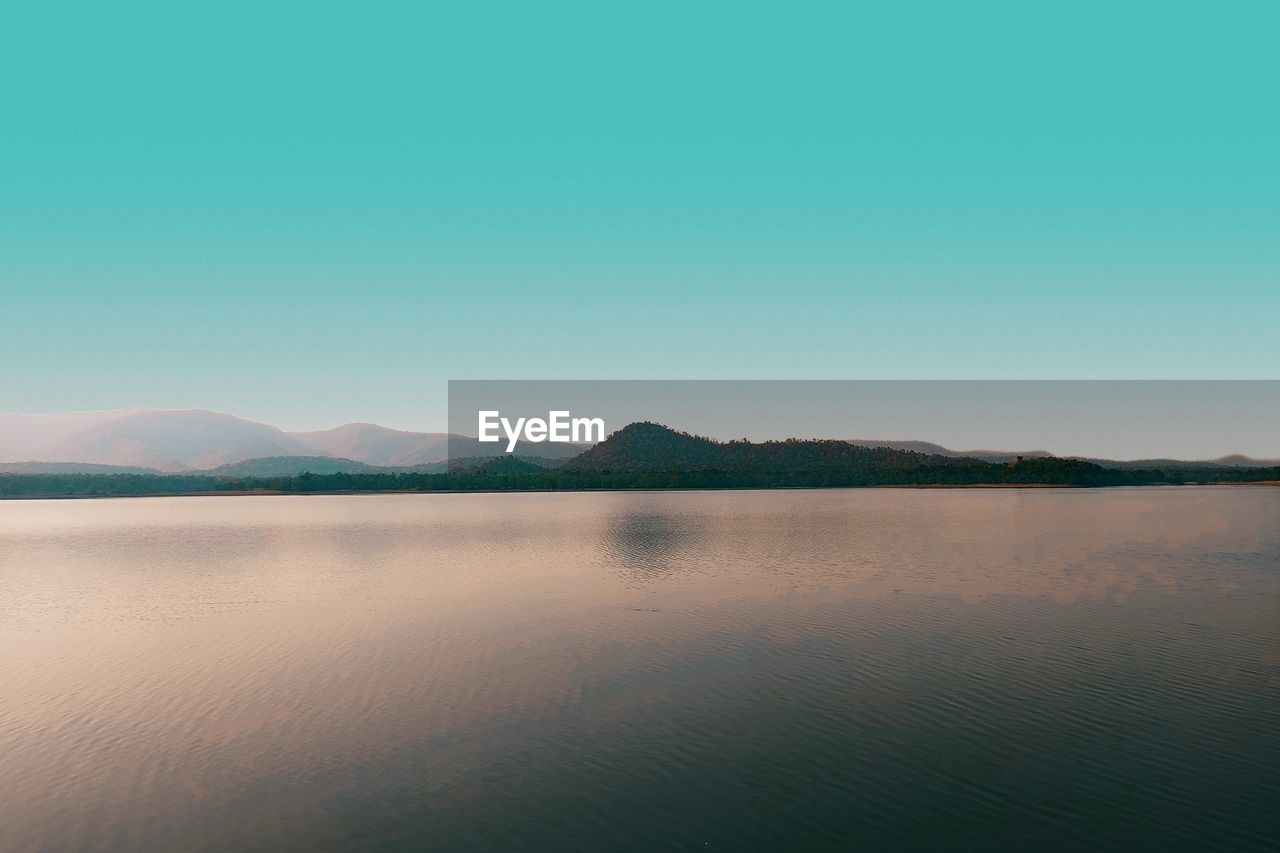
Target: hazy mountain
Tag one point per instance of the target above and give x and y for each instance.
(1238, 461)
(25, 437)
(199, 440)
(377, 445)
(381, 446)
(1235, 461)
(174, 441)
(70, 468)
(938, 450)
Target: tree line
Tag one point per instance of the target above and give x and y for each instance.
(850, 473)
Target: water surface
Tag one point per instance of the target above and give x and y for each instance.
(927, 669)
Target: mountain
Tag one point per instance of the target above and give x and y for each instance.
(1235, 461)
(1238, 461)
(25, 437)
(376, 445)
(647, 445)
(173, 441)
(932, 449)
(649, 455)
(188, 440)
(70, 468)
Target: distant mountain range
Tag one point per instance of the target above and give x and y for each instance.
(70, 468)
(641, 455)
(132, 440)
(928, 447)
(147, 441)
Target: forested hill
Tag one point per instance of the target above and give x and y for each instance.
(647, 445)
(649, 449)
(651, 456)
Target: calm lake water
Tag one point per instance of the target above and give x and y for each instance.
(857, 669)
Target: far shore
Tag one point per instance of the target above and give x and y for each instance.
(232, 493)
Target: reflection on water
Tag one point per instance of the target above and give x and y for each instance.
(816, 669)
(644, 541)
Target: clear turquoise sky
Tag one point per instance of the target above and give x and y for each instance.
(310, 213)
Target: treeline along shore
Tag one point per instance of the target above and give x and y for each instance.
(651, 456)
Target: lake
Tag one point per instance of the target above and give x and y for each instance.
(829, 669)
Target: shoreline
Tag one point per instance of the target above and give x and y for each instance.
(239, 493)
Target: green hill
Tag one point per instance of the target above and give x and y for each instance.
(291, 466)
(645, 451)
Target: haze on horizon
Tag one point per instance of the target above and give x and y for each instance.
(1190, 421)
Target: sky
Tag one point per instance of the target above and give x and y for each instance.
(314, 213)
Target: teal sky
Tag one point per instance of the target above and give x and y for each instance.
(311, 213)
